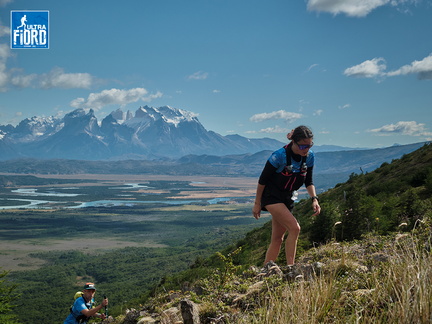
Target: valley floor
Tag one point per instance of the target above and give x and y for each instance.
(53, 227)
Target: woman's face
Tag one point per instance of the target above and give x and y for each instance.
(302, 147)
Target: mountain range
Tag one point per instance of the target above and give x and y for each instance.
(161, 140)
(149, 133)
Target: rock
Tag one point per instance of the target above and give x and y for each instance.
(131, 317)
(171, 316)
(242, 301)
(189, 312)
(380, 257)
(147, 320)
(298, 272)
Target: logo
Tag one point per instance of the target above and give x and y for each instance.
(29, 29)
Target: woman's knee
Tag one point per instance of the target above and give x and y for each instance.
(295, 230)
(277, 240)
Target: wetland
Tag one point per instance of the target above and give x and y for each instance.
(98, 213)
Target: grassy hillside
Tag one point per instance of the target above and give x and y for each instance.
(355, 238)
(380, 271)
(378, 279)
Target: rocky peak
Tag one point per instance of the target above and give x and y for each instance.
(149, 132)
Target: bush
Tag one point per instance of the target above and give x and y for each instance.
(7, 297)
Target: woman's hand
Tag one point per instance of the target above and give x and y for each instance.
(316, 207)
(256, 210)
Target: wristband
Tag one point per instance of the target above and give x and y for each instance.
(315, 197)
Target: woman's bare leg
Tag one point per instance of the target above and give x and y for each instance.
(277, 236)
(283, 220)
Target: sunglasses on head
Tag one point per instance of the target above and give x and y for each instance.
(304, 146)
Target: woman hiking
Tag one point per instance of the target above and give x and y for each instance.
(286, 170)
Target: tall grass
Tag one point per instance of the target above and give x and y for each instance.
(397, 288)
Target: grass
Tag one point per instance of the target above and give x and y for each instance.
(375, 280)
(390, 286)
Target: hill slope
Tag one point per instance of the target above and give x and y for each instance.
(349, 284)
(395, 197)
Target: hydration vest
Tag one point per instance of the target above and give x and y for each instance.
(287, 179)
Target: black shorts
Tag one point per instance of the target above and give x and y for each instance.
(272, 195)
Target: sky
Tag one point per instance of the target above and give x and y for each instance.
(357, 72)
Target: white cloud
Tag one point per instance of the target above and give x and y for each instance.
(422, 68)
(57, 78)
(200, 75)
(311, 67)
(4, 2)
(410, 128)
(280, 114)
(376, 67)
(318, 112)
(352, 8)
(345, 106)
(23, 81)
(356, 8)
(4, 30)
(3, 80)
(114, 96)
(368, 69)
(271, 130)
(5, 53)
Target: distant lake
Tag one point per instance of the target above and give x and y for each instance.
(33, 192)
(26, 202)
(111, 203)
(117, 203)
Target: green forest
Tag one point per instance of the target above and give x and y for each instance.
(396, 197)
(162, 239)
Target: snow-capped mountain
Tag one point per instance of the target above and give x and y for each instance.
(148, 133)
(35, 128)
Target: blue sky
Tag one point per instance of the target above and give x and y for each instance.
(358, 72)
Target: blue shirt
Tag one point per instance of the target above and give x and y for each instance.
(276, 164)
(78, 306)
(278, 160)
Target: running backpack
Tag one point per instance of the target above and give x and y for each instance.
(287, 180)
